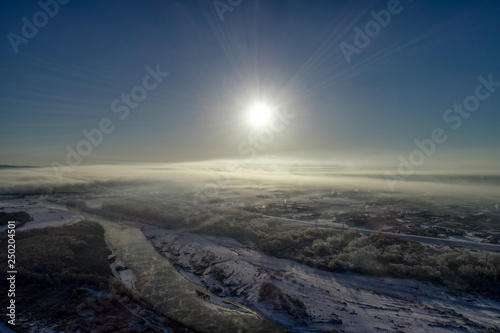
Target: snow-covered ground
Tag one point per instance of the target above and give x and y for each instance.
(44, 213)
(125, 274)
(333, 301)
(120, 271)
(360, 303)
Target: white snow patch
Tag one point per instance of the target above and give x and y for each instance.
(44, 213)
(362, 303)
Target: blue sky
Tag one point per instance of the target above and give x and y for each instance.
(395, 90)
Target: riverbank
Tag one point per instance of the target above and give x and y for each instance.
(158, 282)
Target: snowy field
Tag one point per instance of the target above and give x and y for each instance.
(44, 213)
(360, 303)
(332, 301)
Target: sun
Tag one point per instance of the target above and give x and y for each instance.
(260, 115)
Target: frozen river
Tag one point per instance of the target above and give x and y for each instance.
(171, 294)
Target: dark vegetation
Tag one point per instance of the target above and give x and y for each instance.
(375, 254)
(56, 256)
(20, 218)
(64, 282)
(378, 254)
(163, 215)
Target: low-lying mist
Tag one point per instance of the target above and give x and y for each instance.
(224, 174)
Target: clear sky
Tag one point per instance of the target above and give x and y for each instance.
(223, 58)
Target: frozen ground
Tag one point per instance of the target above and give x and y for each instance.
(44, 213)
(333, 301)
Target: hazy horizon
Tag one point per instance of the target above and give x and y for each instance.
(184, 90)
(209, 178)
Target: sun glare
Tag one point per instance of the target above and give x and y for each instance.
(260, 115)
